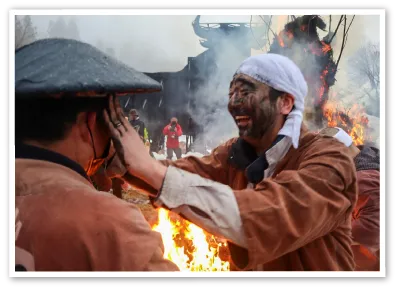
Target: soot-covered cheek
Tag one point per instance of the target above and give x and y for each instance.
(238, 100)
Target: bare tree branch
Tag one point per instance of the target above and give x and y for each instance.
(364, 74)
(25, 32)
(343, 42)
(22, 37)
(330, 23)
(274, 34)
(350, 24)
(252, 32)
(347, 31)
(268, 29)
(336, 30)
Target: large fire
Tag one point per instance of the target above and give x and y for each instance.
(315, 58)
(300, 41)
(353, 121)
(188, 246)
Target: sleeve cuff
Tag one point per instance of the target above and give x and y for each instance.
(173, 187)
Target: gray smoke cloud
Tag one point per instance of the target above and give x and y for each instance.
(147, 43)
(163, 43)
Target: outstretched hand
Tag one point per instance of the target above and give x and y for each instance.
(129, 147)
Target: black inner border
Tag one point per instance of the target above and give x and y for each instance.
(214, 281)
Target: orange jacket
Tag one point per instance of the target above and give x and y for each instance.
(66, 225)
(298, 219)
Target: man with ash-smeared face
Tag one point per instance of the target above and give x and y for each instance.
(282, 196)
(253, 105)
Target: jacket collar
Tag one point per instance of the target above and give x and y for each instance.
(24, 151)
(305, 139)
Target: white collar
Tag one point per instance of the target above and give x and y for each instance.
(278, 151)
(275, 154)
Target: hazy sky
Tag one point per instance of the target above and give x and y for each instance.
(163, 43)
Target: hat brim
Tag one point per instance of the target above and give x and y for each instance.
(64, 66)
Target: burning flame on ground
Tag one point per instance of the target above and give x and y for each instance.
(188, 246)
(353, 121)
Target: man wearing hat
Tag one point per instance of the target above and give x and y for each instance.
(281, 195)
(138, 124)
(61, 139)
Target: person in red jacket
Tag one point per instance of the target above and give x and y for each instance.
(173, 131)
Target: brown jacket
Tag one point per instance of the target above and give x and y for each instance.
(300, 218)
(69, 226)
(365, 223)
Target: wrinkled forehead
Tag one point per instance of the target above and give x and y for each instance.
(243, 79)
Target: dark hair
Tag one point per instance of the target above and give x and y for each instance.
(50, 119)
(134, 111)
(274, 94)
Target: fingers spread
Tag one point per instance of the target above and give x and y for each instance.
(120, 114)
(109, 125)
(112, 110)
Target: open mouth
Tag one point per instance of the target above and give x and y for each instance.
(242, 120)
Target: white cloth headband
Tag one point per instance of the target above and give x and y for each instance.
(281, 73)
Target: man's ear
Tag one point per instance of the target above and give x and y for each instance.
(286, 103)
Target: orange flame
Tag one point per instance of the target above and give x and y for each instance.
(326, 47)
(188, 246)
(353, 121)
(285, 38)
(281, 41)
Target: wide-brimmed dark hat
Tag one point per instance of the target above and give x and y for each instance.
(57, 67)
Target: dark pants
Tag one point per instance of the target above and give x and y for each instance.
(117, 189)
(170, 153)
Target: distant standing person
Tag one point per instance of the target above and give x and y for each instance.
(173, 131)
(137, 124)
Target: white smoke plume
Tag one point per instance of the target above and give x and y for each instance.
(163, 44)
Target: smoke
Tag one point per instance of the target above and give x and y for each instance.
(364, 28)
(218, 65)
(146, 42)
(348, 91)
(164, 43)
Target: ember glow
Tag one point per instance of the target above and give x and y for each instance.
(188, 246)
(285, 38)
